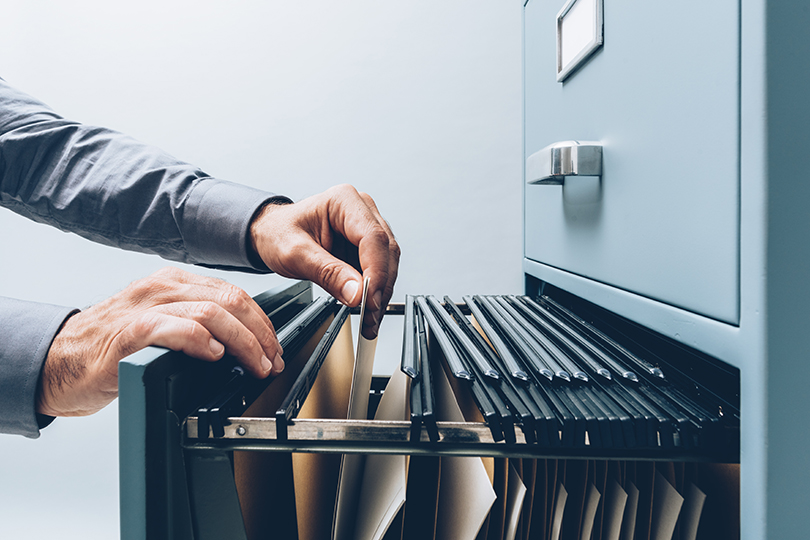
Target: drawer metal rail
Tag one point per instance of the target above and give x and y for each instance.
(393, 437)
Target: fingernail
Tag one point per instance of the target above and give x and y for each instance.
(266, 365)
(216, 347)
(349, 290)
(279, 364)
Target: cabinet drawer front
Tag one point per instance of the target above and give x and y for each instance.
(662, 97)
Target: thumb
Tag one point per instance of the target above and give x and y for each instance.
(338, 278)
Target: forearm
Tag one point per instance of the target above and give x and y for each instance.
(28, 330)
(111, 189)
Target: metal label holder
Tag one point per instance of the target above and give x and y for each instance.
(565, 69)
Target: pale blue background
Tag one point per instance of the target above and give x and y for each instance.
(417, 102)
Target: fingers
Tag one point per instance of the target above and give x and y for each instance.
(355, 216)
(314, 263)
(304, 240)
(379, 298)
(202, 288)
(225, 312)
(202, 317)
(204, 330)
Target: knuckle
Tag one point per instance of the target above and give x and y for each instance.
(231, 301)
(195, 332)
(345, 190)
(169, 272)
(378, 236)
(368, 200)
(240, 293)
(140, 288)
(219, 283)
(205, 311)
(242, 343)
(254, 345)
(234, 336)
(152, 289)
(329, 273)
(267, 340)
(345, 187)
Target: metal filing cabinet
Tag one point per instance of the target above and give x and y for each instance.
(696, 227)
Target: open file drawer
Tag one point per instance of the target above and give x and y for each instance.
(177, 482)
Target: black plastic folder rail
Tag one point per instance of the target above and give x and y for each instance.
(546, 381)
(241, 390)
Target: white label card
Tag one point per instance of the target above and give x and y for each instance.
(579, 34)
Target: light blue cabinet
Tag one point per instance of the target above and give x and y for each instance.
(700, 229)
(662, 97)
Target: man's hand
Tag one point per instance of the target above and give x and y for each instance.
(327, 238)
(203, 317)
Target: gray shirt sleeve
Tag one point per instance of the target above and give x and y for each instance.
(28, 330)
(111, 189)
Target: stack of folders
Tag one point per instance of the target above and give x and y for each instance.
(534, 366)
(584, 438)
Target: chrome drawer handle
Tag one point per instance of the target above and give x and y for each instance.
(553, 163)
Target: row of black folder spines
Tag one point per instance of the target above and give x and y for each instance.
(560, 418)
(681, 393)
(240, 390)
(651, 398)
(553, 344)
(689, 391)
(577, 409)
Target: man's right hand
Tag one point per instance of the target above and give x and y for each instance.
(329, 239)
(202, 317)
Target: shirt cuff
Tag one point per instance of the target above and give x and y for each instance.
(216, 223)
(28, 331)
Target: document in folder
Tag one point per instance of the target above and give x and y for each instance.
(351, 469)
(316, 475)
(446, 498)
(385, 477)
(466, 493)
